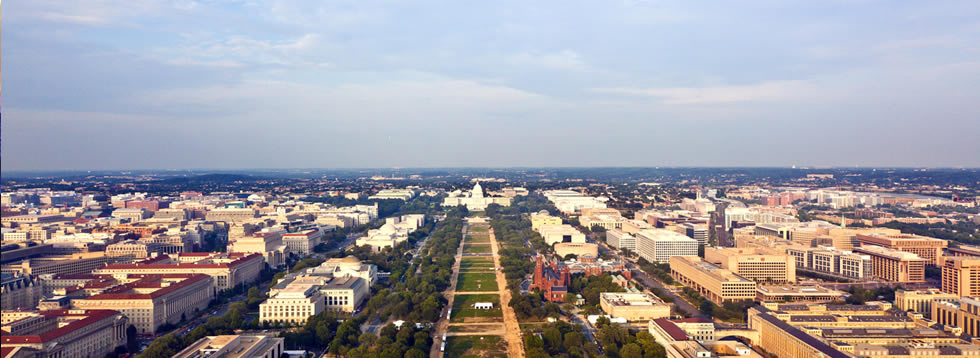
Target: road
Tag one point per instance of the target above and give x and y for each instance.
(645, 279)
(513, 329)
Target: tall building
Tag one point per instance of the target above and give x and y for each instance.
(714, 283)
(65, 333)
(234, 346)
(893, 265)
(659, 245)
(925, 247)
(753, 265)
(961, 276)
(697, 232)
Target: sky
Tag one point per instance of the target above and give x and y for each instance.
(160, 84)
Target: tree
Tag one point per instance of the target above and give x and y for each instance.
(415, 353)
(631, 350)
(552, 340)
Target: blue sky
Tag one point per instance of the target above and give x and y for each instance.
(119, 84)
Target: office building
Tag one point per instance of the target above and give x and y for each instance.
(227, 269)
(294, 303)
(795, 293)
(963, 314)
(698, 232)
(621, 240)
(268, 244)
(714, 283)
(893, 265)
(659, 245)
(553, 234)
(19, 291)
(922, 301)
(579, 249)
(234, 346)
(570, 202)
(302, 242)
(393, 194)
(64, 333)
(753, 265)
(231, 215)
(961, 276)
(928, 248)
(543, 218)
(65, 264)
(633, 307)
(151, 301)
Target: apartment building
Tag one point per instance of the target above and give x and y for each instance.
(961, 276)
(754, 265)
(714, 283)
(659, 245)
(154, 300)
(893, 265)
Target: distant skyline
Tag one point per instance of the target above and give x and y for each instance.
(224, 84)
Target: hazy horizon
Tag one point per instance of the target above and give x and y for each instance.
(225, 85)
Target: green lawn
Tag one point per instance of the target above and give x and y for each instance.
(476, 347)
(480, 228)
(463, 309)
(473, 281)
(476, 264)
(477, 239)
(476, 249)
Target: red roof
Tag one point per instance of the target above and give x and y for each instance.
(675, 332)
(6, 352)
(150, 265)
(90, 317)
(148, 281)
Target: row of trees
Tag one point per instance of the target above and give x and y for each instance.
(619, 342)
(560, 339)
(732, 311)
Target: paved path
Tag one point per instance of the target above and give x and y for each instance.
(515, 345)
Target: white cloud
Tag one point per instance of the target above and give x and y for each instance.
(765, 91)
(565, 60)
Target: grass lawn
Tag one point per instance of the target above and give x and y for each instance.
(473, 281)
(463, 311)
(480, 228)
(477, 239)
(476, 249)
(476, 264)
(476, 347)
(474, 214)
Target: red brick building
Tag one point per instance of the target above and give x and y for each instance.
(551, 279)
